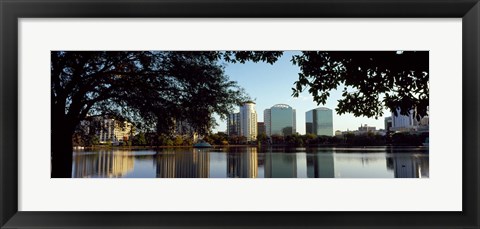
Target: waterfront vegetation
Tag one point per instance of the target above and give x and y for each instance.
(296, 140)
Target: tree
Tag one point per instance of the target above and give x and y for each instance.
(262, 137)
(139, 139)
(370, 80)
(277, 139)
(178, 141)
(311, 139)
(147, 88)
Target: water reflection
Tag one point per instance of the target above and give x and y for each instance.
(250, 162)
(320, 165)
(242, 163)
(407, 167)
(103, 164)
(280, 165)
(194, 164)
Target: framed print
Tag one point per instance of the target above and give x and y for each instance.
(327, 100)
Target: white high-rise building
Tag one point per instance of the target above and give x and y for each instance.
(248, 121)
(403, 122)
(107, 129)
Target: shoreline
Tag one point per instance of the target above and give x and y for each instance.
(336, 147)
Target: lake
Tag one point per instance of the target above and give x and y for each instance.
(252, 162)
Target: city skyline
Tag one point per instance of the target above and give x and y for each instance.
(269, 84)
(151, 100)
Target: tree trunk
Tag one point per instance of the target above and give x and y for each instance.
(62, 151)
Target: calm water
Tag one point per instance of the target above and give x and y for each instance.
(250, 162)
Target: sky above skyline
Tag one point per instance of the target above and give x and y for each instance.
(268, 85)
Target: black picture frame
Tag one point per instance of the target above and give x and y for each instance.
(11, 11)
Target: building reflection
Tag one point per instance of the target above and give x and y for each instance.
(112, 164)
(248, 162)
(280, 165)
(409, 166)
(243, 164)
(194, 164)
(320, 165)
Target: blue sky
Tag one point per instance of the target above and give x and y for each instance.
(269, 84)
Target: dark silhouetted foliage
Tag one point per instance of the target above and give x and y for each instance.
(150, 89)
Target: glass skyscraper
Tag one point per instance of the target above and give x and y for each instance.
(233, 124)
(280, 120)
(319, 121)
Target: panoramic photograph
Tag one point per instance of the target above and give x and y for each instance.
(240, 114)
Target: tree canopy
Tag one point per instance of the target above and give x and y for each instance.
(151, 88)
(161, 87)
(370, 81)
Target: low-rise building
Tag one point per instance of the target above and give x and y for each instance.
(107, 129)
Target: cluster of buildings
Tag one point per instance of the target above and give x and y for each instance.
(280, 120)
(244, 123)
(113, 131)
(407, 123)
(108, 130)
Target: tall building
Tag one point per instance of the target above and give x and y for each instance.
(403, 121)
(248, 121)
(406, 123)
(266, 120)
(233, 124)
(243, 123)
(261, 128)
(388, 123)
(280, 120)
(319, 121)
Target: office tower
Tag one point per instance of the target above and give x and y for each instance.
(261, 128)
(388, 123)
(280, 120)
(233, 124)
(319, 121)
(248, 121)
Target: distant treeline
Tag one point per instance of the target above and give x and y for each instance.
(141, 139)
(370, 139)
